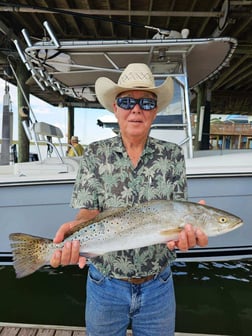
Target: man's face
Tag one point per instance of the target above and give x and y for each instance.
(135, 121)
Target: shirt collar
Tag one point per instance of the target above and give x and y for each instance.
(119, 147)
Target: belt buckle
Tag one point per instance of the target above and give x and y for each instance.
(136, 280)
(140, 280)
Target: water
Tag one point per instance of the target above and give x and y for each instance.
(212, 297)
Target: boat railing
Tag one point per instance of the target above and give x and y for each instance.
(231, 128)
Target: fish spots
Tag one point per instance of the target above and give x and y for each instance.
(145, 224)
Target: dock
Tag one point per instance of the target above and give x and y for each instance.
(19, 329)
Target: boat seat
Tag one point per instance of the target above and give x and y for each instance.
(42, 132)
(44, 129)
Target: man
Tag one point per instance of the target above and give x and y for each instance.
(76, 149)
(134, 285)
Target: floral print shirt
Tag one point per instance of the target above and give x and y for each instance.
(107, 179)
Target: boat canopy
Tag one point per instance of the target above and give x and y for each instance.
(72, 67)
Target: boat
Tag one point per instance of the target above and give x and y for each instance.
(35, 196)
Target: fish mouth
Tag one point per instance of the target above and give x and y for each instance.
(238, 224)
(235, 225)
(230, 228)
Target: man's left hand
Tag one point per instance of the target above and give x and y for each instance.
(189, 238)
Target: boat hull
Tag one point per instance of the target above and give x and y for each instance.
(37, 208)
(232, 193)
(40, 207)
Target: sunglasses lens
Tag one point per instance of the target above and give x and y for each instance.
(148, 103)
(127, 103)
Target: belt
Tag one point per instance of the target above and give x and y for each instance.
(138, 281)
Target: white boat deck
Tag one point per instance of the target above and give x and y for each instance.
(220, 163)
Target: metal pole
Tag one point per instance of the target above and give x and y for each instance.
(6, 128)
(187, 108)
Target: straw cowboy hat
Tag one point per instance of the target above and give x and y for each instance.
(136, 76)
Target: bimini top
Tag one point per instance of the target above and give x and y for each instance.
(72, 67)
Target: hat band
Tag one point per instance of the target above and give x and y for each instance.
(133, 79)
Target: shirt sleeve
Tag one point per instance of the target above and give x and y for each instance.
(179, 175)
(85, 191)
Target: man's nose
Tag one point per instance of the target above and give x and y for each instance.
(137, 108)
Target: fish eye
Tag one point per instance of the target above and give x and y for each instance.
(222, 220)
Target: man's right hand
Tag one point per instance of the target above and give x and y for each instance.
(70, 253)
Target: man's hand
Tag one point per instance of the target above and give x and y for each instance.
(70, 254)
(189, 237)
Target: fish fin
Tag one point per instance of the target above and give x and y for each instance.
(29, 253)
(171, 232)
(89, 255)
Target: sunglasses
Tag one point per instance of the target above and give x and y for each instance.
(127, 103)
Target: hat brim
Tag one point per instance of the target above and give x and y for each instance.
(107, 91)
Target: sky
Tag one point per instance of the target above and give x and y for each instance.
(86, 127)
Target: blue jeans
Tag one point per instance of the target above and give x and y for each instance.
(112, 304)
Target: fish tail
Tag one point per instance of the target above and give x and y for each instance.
(29, 253)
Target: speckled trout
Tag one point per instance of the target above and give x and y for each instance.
(154, 222)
